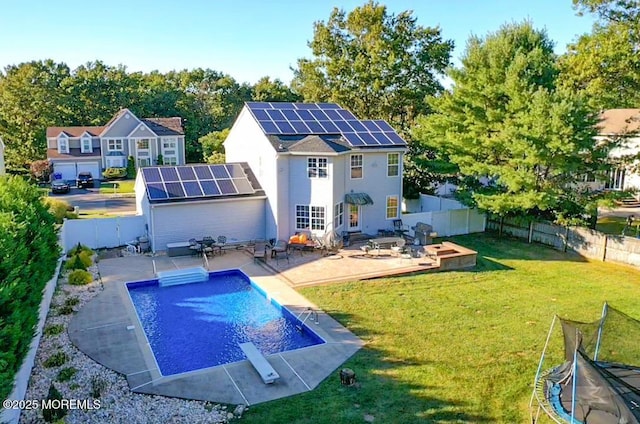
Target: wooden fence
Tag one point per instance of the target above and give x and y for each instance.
(586, 242)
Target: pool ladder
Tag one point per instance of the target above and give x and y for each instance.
(310, 313)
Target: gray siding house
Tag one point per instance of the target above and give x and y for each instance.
(72, 150)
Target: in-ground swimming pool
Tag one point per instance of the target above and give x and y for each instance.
(199, 325)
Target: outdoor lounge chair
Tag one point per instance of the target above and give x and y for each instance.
(260, 252)
(281, 248)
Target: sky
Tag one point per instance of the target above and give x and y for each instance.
(247, 39)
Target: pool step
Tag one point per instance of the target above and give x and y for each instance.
(182, 276)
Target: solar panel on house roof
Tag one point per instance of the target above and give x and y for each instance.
(322, 118)
(196, 181)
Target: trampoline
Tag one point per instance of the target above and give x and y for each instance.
(599, 380)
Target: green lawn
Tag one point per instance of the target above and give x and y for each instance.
(122, 187)
(615, 224)
(458, 346)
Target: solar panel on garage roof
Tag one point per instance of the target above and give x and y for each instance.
(196, 181)
(322, 118)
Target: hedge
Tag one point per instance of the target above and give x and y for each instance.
(28, 254)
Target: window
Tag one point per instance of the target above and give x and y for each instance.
(170, 160)
(393, 164)
(143, 144)
(317, 218)
(85, 146)
(63, 145)
(356, 166)
(169, 143)
(144, 162)
(313, 215)
(317, 167)
(616, 179)
(338, 215)
(114, 145)
(302, 217)
(392, 207)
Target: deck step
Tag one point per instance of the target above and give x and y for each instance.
(182, 276)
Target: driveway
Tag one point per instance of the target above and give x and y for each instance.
(88, 199)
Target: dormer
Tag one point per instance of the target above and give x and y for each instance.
(86, 143)
(63, 143)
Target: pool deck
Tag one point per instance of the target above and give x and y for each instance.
(107, 328)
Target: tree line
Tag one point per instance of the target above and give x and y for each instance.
(514, 130)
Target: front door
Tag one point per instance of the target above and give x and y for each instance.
(354, 217)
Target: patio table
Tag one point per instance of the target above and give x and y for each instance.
(384, 242)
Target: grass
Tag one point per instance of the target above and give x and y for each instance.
(458, 346)
(615, 224)
(123, 187)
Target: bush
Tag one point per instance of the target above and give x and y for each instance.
(131, 167)
(55, 360)
(71, 301)
(29, 252)
(80, 248)
(65, 310)
(80, 277)
(75, 262)
(97, 386)
(58, 208)
(50, 414)
(53, 330)
(66, 374)
(113, 173)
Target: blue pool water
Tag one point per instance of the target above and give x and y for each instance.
(199, 325)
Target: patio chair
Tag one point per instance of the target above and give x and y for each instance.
(399, 229)
(207, 245)
(280, 248)
(260, 252)
(195, 247)
(399, 248)
(219, 244)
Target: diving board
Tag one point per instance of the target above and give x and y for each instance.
(259, 362)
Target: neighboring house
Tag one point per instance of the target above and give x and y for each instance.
(193, 201)
(2, 167)
(624, 125)
(80, 149)
(321, 168)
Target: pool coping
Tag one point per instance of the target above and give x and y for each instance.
(107, 330)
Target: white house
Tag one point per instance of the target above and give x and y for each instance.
(321, 168)
(80, 149)
(2, 168)
(624, 125)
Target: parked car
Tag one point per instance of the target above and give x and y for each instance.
(85, 179)
(60, 187)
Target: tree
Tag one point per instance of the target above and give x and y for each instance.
(519, 143)
(379, 65)
(267, 90)
(606, 63)
(41, 170)
(212, 142)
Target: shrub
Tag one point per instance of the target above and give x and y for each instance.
(80, 277)
(29, 252)
(65, 310)
(97, 386)
(80, 248)
(53, 330)
(71, 301)
(113, 173)
(66, 374)
(58, 208)
(75, 262)
(55, 360)
(51, 414)
(131, 167)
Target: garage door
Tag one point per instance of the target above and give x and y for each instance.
(92, 167)
(67, 171)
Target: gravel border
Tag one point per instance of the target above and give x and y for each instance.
(94, 381)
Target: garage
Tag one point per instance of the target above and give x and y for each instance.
(193, 201)
(93, 167)
(66, 171)
(69, 171)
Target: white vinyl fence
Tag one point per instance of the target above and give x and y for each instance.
(101, 232)
(447, 217)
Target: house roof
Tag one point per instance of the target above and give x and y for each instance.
(309, 143)
(160, 126)
(74, 153)
(74, 131)
(197, 182)
(619, 121)
(287, 119)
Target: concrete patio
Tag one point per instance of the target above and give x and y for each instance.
(107, 328)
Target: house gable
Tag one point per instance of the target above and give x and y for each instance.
(142, 131)
(120, 125)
